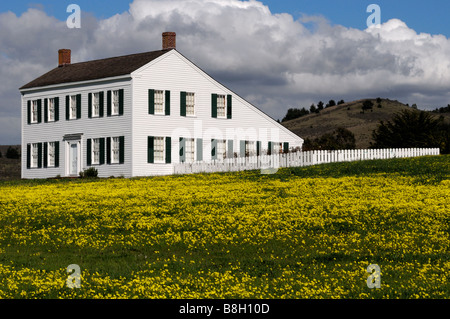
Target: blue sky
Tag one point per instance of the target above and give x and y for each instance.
(423, 16)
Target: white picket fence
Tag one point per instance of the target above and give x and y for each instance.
(298, 159)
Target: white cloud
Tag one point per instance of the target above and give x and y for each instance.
(273, 60)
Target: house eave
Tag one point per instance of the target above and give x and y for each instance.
(66, 84)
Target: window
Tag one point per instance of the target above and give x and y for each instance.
(96, 105)
(221, 149)
(190, 103)
(190, 150)
(51, 154)
(221, 105)
(73, 107)
(51, 110)
(159, 102)
(250, 149)
(277, 148)
(115, 150)
(34, 155)
(159, 149)
(115, 102)
(34, 111)
(96, 151)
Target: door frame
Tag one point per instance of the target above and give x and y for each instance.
(70, 140)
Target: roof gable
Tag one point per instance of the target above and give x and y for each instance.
(94, 70)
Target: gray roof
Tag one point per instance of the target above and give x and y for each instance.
(94, 70)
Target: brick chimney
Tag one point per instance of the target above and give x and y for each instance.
(169, 40)
(63, 57)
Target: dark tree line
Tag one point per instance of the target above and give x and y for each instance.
(340, 139)
(11, 152)
(413, 129)
(442, 109)
(294, 113)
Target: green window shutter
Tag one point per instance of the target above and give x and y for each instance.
(242, 148)
(258, 148)
(150, 149)
(108, 103)
(214, 105)
(121, 149)
(40, 155)
(102, 151)
(213, 149)
(182, 148)
(57, 154)
(168, 150)
(286, 147)
(67, 107)
(229, 106)
(121, 101)
(45, 155)
(151, 101)
(78, 106)
(183, 103)
(230, 149)
(199, 149)
(39, 106)
(29, 112)
(90, 105)
(89, 152)
(45, 110)
(28, 155)
(167, 103)
(56, 109)
(108, 150)
(101, 104)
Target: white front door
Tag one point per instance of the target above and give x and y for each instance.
(73, 159)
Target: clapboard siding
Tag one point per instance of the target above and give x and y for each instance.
(175, 73)
(90, 128)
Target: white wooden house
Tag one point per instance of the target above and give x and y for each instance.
(138, 115)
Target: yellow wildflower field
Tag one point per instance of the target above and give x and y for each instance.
(300, 233)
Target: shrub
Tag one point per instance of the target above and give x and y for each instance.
(91, 172)
(367, 105)
(12, 153)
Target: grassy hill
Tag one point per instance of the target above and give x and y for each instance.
(348, 115)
